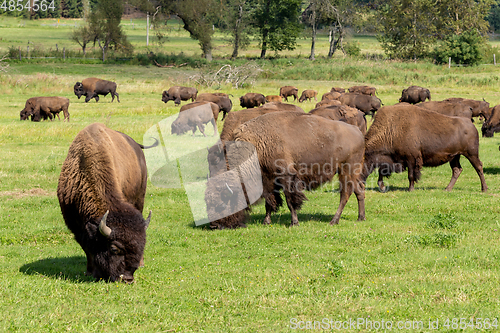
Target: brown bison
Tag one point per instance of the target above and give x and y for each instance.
(273, 98)
(291, 164)
(326, 102)
(332, 95)
(414, 95)
(345, 113)
(308, 94)
(366, 103)
(492, 124)
(278, 106)
(288, 91)
(479, 108)
(364, 90)
(408, 137)
(178, 94)
(448, 108)
(337, 89)
(251, 100)
(45, 107)
(93, 87)
(196, 115)
(224, 102)
(101, 192)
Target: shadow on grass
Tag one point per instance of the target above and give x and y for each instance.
(285, 218)
(67, 268)
(492, 171)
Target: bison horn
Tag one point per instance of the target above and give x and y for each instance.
(103, 228)
(148, 220)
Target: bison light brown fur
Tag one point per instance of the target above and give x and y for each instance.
(448, 108)
(101, 192)
(178, 94)
(45, 107)
(308, 94)
(273, 98)
(196, 115)
(288, 91)
(225, 104)
(479, 108)
(327, 102)
(365, 90)
(352, 116)
(93, 87)
(408, 137)
(292, 163)
(366, 103)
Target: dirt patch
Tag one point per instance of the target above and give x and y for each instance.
(34, 192)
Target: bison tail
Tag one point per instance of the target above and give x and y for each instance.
(151, 146)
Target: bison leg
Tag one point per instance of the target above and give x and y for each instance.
(214, 123)
(113, 94)
(478, 166)
(269, 210)
(294, 197)
(346, 188)
(456, 169)
(201, 128)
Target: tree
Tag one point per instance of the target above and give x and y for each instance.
(457, 16)
(463, 48)
(277, 24)
(236, 18)
(104, 22)
(82, 36)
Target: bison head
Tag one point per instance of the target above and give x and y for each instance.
(179, 127)
(25, 114)
(165, 97)
(78, 89)
(119, 246)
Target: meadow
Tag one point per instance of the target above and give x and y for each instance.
(426, 260)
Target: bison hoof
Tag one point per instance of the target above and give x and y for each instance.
(267, 220)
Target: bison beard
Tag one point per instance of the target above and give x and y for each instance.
(101, 192)
(340, 145)
(408, 137)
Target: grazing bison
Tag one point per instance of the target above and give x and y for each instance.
(287, 91)
(332, 95)
(273, 98)
(345, 113)
(278, 106)
(93, 87)
(224, 102)
(408, 137)
(479, 108)
(414, 95)
(364, 90)
(337, 89)
(195, 115)
(178, 94)
(448, 108)
(492, 124)
(251, 100)
(45, 107)
(326, 102)
(366, 103)
(308, 94)
(101, 192)
(292, 163)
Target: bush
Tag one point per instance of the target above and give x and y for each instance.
(463, 49)
(352, 49)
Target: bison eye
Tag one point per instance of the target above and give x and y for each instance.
(115, 249)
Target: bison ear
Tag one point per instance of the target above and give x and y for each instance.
(148, 220)
(103, 228)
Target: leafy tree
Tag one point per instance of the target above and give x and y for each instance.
(457, 16)
(277, 24)
(83, 36)
(236, 22)
(464, 48)
(71, 8)
(494, 18)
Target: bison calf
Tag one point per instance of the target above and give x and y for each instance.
(408, 137)
(308, 94)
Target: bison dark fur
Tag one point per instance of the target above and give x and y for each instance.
(492, 123)
(448, 108)
(178, 94)
(101, 192)
(224, 102)
(366, 103)
(288, 91)
(408, 137)
(93, 87)
(345, 113)
(45, 107)
(365, 90)
(251, 100)
(414, 95)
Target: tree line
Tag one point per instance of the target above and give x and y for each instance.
(406, 29)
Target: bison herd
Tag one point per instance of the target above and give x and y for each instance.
(102, 184)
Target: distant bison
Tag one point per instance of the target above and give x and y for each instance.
(327, 102)
(332, 95)
(308, 94)
(93, 87)
(492, 124)
(448, 108)
(366, 103)
(273, 98)
(338, 89)
(408, 137)
(345, 113)
(365, 90)
(222, 100)
(251, 100)
(101, 193)
(45, 107)
(414, 95)
(479, 108)
(178, 94)
(288, 91)
(194, 116)
(291, 163)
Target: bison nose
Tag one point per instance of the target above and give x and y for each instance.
(126, 278)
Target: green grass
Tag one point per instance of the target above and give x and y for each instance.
(425, 255)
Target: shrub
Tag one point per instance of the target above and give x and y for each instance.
(352, 49)
(463, 49)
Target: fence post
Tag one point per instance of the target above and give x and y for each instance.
(64, 53)
(449, 62)
(28, 52)
(19, 53)
(494, 59)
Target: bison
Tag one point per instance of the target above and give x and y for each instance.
(178, 94)
(101, 193)
(408, 137)
(224, 102)
(93, 87)
(492, 124)
(448, 108)
(273, 98)
(251, 100)
(291, 164)
(308, 94)
(344, 113)
(479, 108)
(45, 107)
(195, 115)
(414, 95)
(364, 90)
(327, 102)
(366, 103)
(332, 95)
(337, 89)
(288, 91)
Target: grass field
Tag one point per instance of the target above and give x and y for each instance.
(424, 256)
